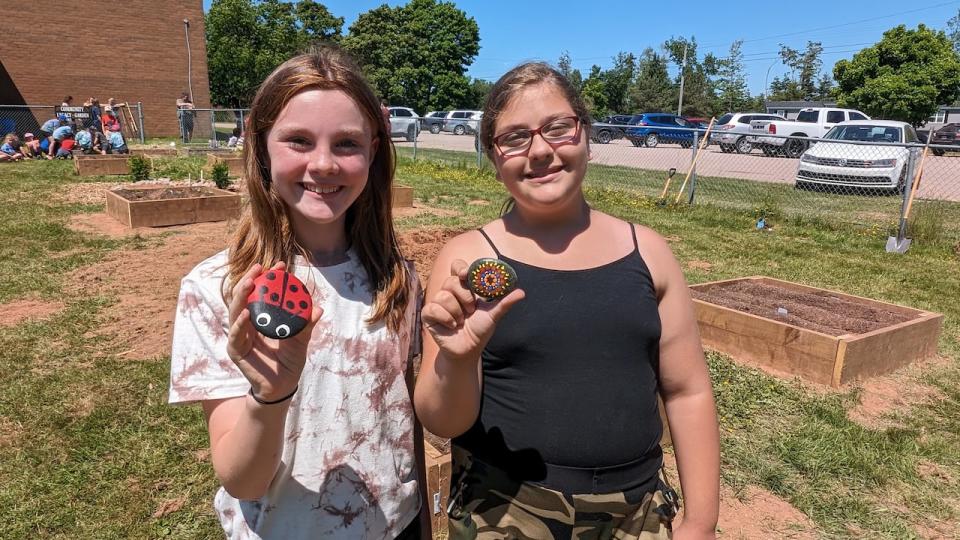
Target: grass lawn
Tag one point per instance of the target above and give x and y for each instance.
(91, 450)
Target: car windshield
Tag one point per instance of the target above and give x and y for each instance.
(886, 134)
(725, 119)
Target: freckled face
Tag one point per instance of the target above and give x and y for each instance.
(320, 149)
(546, 175)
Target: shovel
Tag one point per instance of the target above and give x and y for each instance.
(696, 158)
(666, 186)
(900, 243)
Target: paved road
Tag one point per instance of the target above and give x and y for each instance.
(941, 178)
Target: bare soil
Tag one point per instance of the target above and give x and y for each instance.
(156, 194)
(16, 312)
(819, 311)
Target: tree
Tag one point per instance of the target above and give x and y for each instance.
(953, 31)
(417, 54)
(617, 81)
(479, 89)
(565, 66)
(699, 98)
(652, 89)
(247, 39)
(731, 83)
(594, 93)
(804, 81)
(905, 76)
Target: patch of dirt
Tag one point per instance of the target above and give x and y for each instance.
(104, 225)
(21, 310)
(83, 193)
(897, 391)
(754, 514)
(80, 407)
(699, 265)
(478, 202)
(160, 193)
(814, 310)
(9, 432)
(422, 245)
(408, 211)
(146, 283)
(169, 506)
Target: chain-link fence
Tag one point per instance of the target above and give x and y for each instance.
(862, 181)
(21, 119)
(212, 128)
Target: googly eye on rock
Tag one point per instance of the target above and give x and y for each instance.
(280, 305)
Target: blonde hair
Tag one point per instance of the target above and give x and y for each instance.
(265, 234)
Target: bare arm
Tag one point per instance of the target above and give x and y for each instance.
(687, 392)
(455, 330)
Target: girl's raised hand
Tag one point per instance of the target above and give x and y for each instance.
(272, 366)
(460, 322)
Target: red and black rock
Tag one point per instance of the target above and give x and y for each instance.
(279, 305)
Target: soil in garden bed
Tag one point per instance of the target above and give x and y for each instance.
(819, 311)
(156, 194)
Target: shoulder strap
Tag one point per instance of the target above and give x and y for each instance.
(489, 241)
(633, 232)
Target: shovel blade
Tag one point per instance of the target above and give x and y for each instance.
(896, 245)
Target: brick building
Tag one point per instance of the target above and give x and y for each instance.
(133, 51)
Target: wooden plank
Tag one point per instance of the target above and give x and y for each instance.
(888, 349)
(101, 165)
(402, 196)
(234, 162)
(767, 343)
(220, 205)
(438, 487)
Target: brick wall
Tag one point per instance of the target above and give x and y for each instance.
(133, 50)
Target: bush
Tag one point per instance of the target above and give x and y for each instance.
(221, 175)
(139, 168)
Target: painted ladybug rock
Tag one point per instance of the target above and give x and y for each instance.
(491, 278)
(279, 305)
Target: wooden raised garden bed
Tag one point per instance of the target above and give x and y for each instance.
(233, 160)
(402, 196)
(823, 336)
(438, 485)
(159, 206)
(101, 165)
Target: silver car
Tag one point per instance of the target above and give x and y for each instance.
(731, 130)
(404, 122)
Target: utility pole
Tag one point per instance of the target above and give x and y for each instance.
(683, 68)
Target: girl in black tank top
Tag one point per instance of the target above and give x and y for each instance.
(550, 393)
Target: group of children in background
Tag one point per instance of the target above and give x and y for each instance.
(57, 140)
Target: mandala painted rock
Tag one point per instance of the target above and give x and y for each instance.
(280, 306)
(491, 278)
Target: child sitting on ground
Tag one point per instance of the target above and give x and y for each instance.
(117, 144)
(31, 146)
(65, 151)
(234, 138)
(9, 150)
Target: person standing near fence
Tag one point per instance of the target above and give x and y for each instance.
(550, 393)
(185, 114)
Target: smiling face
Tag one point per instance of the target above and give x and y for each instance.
(546, 176)
(320, 149)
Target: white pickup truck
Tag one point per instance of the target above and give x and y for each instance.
(773, 136)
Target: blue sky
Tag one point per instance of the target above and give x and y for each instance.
(594, 31)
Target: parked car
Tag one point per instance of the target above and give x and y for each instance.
(948, 135)
(461, 122)
(773, 136)
(433, 121)
(862, 166)
(650, 129)
(610, 128)
(731, 131)
(404, 122)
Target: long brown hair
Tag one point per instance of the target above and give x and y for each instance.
(265, 234)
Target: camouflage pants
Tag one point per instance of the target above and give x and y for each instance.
(487, 504)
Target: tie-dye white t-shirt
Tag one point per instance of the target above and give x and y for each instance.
(348, 467)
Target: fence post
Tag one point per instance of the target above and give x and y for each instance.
(243, 125)
(907, 182)
(213, 130)
(416, 137)
(693, 166)
(143, 137)
(478, 147)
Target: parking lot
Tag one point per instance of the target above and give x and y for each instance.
(941, 178)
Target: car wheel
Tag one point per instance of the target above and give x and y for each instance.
(603, 137)
(743, 146)
(768, 151)
(651, 140)
(794, 148)
(434, 128)
(938, 151)
(726, 148)
(411, 133)
(459, 130)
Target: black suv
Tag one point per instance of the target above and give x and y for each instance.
(433, 121)
(607, 130)
(948, 135)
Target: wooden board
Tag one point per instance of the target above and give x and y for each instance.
(101, 165)
(814, 356)
(402, 196)
(218, 206)
(438, 487)
(234, 162)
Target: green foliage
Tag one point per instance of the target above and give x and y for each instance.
(139, 168)
(247, 39)
(805, 81)
(616, 81)
(652, 89)
(732, 93)
(220, 174)
(953, 31)
(905, 76)
(594, 93)
(417, 54)
(699, 98)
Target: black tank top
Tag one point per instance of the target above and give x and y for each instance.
(570, 379)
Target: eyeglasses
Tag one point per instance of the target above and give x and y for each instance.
(559, 131)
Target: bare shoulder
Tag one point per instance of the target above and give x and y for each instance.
(659, 258)
(466, 246)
